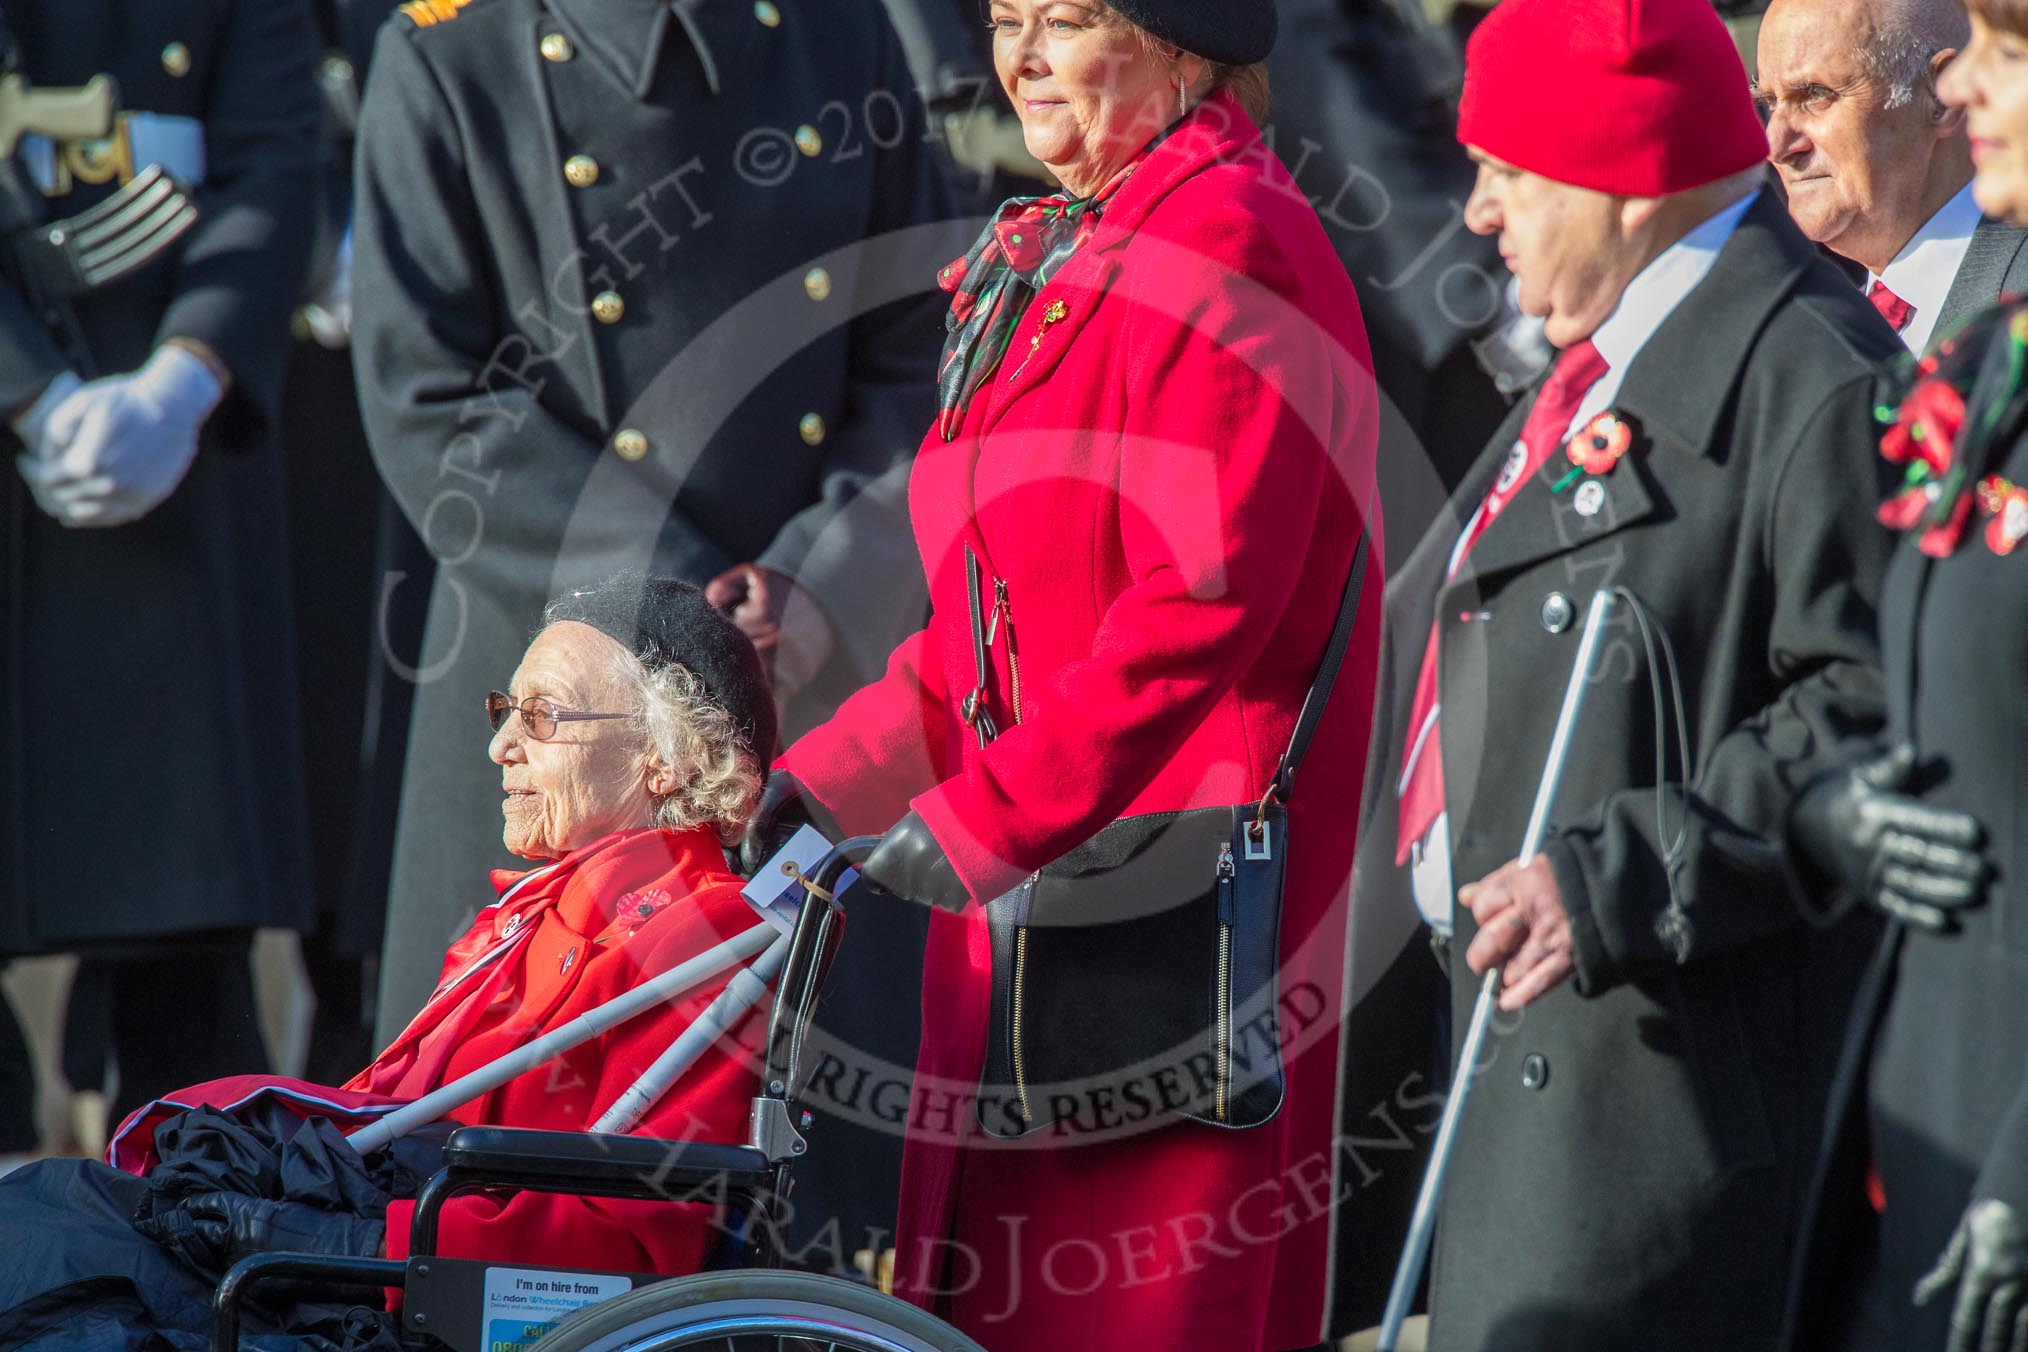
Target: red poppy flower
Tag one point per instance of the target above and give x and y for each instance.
(1928, 426)
(635, 909)
(1939, 542)
(1599, 444)
(1904, 509)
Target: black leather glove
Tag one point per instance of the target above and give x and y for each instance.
(908, 863)
(214, 1230)
(1988, 1260)
(784, 805)
(1917, 863)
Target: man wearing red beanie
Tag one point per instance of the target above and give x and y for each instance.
(1633, 1159)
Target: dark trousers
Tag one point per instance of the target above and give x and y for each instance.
(177, 1014)
(17, 1086)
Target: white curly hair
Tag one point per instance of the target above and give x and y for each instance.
(718, 776)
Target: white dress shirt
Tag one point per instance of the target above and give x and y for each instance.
(1648, 300)
(1923, 271)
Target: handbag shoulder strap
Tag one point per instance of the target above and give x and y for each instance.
(1327, 675)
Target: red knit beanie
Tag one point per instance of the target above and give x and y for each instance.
(1639, 98)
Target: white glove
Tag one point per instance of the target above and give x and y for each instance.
(28, 425)
(117, 447)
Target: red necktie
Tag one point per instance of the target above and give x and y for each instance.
(1422, 795)
(1896, 311)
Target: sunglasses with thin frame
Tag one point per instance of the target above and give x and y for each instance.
(538, 715)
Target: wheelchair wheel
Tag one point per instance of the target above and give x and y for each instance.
(754, 1311)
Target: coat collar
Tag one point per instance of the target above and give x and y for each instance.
(1982, 275)
(1681, 381)
(1217, 131)
(1675, 391)
(625, 37)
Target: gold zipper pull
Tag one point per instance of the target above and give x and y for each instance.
(999, 609)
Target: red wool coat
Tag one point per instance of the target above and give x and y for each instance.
(1169, 485)
(571, 937)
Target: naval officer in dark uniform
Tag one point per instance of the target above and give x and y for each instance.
(652, 285)
(149, 780)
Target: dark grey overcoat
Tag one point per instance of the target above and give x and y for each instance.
(1631, 1168)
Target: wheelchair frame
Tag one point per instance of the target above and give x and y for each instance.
(442, 1296)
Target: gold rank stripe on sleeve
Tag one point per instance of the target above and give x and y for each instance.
(424, 13)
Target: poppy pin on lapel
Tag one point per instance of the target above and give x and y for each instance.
(2007, 504)
(1596, 448)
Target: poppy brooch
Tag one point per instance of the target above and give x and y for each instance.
(635, 909)
(2007, 504)
(1595, 450)
(1937, 436)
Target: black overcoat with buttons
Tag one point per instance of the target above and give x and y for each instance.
(1630, 1169)
(1932, 1089)
(636, 285)
(150, 782)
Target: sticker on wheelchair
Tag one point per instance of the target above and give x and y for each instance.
(777, 895)
(523, 1304)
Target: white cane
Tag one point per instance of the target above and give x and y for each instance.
(586, 1026)
(1422, 1228)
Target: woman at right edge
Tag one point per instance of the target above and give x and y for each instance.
(1157, 436)
(1920, 1235)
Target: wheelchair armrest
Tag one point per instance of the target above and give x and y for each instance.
(580, 1162)
(508, 1154)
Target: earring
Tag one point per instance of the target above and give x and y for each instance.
(1182, 97)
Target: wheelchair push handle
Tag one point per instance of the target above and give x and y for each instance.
(822, 881)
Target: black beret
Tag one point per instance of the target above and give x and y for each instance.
(661, 620)
(1230, 32)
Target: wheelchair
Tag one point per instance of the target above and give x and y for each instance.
(466, 1305)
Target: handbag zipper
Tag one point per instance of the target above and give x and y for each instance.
(1227, 872)
(1020, 1069)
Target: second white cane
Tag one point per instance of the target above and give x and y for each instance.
(1422, 1227)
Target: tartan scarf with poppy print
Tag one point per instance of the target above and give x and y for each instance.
(1027, 242)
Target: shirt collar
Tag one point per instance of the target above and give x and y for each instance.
(1661, 286)
(1923, 271)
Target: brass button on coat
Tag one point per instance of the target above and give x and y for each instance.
(807, 141)
(608, 306)
(813, 430)
(818, 283)
(556, 47)
(176, 59)
(581, 171)
(630, 444)
(769, 16)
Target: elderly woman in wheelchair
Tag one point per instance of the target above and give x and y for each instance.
(630, 744)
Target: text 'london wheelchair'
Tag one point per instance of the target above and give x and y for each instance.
(458, 1304)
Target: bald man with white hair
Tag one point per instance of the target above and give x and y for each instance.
(1877, 168)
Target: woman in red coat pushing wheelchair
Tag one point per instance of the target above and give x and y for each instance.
(1139, 512)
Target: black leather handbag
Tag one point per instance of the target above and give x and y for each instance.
(1135, 978)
